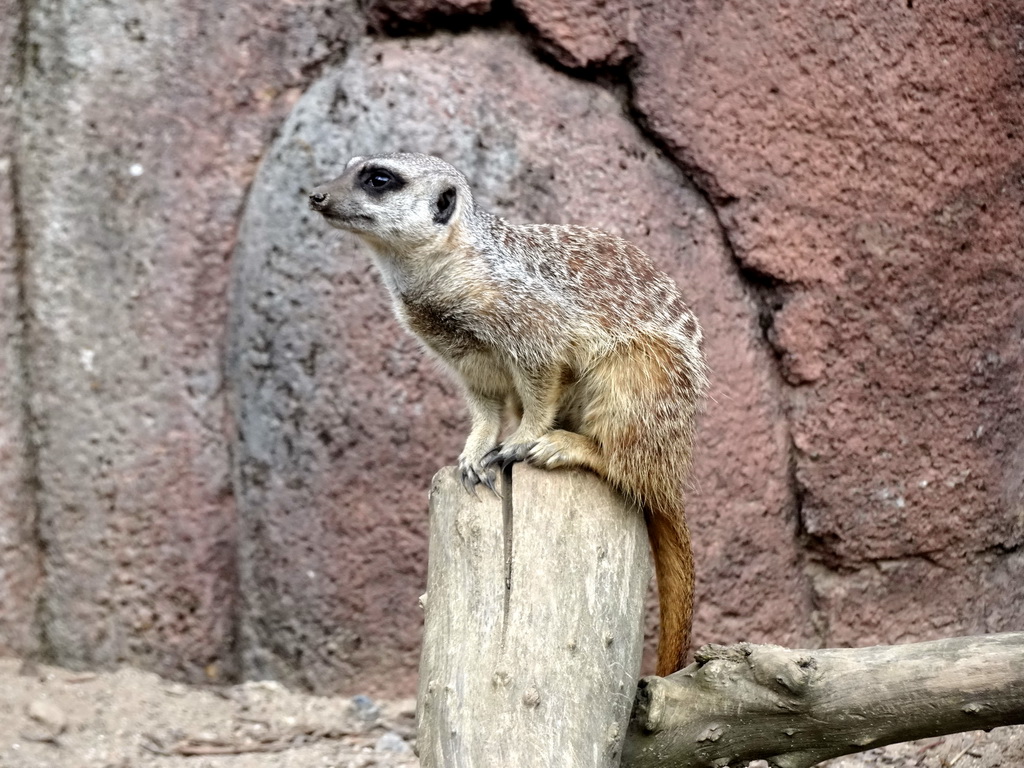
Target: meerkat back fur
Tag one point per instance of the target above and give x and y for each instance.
(575, 329)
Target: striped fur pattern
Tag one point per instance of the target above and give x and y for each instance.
(572, 328)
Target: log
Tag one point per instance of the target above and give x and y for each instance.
(533, 622)
(795, 708)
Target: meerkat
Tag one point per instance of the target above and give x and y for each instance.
(573, 328)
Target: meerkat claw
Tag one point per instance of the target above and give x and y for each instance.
(469, 480)
(506, 454)
(473, 475)
(490, 457)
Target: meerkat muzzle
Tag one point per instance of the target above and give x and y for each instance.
(318, 200)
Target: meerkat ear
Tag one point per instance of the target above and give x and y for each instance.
(445, 206)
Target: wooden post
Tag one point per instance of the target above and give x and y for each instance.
(534, 622)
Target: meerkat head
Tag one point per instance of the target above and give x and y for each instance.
(397, 202)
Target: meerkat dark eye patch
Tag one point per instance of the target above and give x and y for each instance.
(377, 181)
(445, 206)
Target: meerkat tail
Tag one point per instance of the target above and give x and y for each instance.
(673, 564)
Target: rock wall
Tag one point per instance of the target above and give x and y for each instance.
(865, 161)
(215, 441)
(138, 131)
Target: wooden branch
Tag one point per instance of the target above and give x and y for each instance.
(534, 623)
(796, 708)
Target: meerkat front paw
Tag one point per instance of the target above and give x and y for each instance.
(506, 454)
(474, 473)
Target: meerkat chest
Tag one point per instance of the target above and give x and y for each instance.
(445, 327)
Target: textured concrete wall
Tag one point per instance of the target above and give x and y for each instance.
(215, 441)
(20, 562)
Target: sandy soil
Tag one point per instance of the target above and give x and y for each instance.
(51, 717)
(55, 718)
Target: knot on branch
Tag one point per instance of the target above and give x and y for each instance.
(770, 666)
(713, 652)
(649, 706)
(775, 667)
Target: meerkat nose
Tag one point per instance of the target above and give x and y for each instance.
(317, 200)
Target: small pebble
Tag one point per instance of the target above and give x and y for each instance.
(365, 708)
(392, 742)
(49, 721)
(48, 714)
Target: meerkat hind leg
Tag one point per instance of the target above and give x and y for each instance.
(539, 396)
(561, 448)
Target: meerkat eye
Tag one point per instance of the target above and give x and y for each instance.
(445, 206)
(377, 180)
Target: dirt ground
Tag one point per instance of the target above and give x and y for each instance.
(55, 718)
(1000, 748)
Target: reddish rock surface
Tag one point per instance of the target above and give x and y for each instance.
(837, 186)
(865, 159)
(591, 33)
